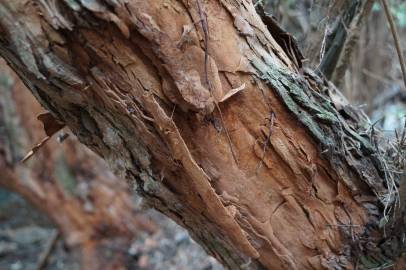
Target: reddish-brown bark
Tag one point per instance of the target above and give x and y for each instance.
(143, 83)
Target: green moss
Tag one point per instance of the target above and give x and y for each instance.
(295, 99)
(311, 108)
(368, 263)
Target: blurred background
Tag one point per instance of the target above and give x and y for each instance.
(63, 209)
(369, 75)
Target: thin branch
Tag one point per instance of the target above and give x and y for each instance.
(204, 25)
(206, 40)
(268, 140)
(352, 38)
(43, 258)
(395, 38)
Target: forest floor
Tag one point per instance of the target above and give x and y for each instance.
(25, 234)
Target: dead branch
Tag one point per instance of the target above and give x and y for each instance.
(396, 39)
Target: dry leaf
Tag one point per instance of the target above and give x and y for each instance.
(51, 126)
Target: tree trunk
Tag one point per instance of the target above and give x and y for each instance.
(208, 114)
(72, 186)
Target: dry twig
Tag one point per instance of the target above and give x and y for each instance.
(43, 258)
(203, 21)
(395, 35)
(267, 141)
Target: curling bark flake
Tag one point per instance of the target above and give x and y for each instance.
(128, 78)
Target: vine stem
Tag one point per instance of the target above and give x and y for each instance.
(395, 37)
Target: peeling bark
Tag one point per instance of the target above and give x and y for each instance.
(138, 82)
(91, 208)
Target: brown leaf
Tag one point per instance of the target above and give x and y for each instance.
(51, 125)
